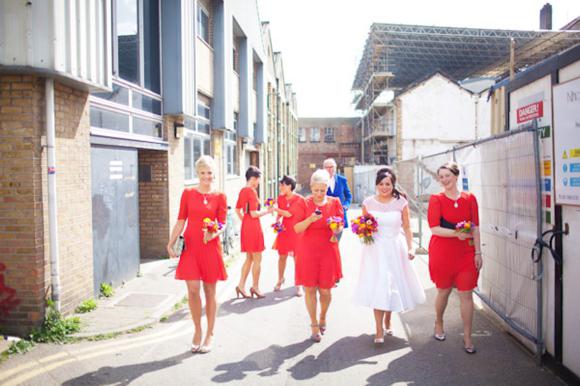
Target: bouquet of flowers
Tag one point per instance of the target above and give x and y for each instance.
(364, 227)
(278, 227)
(334, 223)
(269, 202)
(464, 227)
(209, 226)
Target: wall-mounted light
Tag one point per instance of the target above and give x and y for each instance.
(178, 129)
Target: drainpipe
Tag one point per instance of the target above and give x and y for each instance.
(52, 209)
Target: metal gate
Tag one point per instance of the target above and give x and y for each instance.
(115, 215)
(504, 174)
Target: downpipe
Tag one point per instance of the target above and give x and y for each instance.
(52, 196)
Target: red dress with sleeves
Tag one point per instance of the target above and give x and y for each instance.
(286, 240)
(201, 261)
(252, 238)
(451, 260)
(318, 259)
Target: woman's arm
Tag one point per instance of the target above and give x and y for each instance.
(175, 232)
(283, 213)
(240, 213)
(303, 225)
(260, 213)
(408, 232)
(477, 244)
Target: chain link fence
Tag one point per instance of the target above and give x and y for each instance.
(503, 173)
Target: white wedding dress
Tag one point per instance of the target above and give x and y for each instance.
(387, 280)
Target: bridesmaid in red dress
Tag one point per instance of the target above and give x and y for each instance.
(201, 260)
(454, 257)
(288, 206)
(318, 258)
(252, 238)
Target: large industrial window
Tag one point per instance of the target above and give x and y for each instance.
(194, 146)
(136, 30)
(329, 134)
(203, 24)
(315, 134)
(204, 118)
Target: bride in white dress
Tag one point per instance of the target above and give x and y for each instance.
(387, 282)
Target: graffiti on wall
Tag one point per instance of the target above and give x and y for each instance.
(8, 299)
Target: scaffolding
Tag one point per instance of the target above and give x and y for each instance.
(396, 55)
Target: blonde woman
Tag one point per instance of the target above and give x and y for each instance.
(201, 262)
(318, 268)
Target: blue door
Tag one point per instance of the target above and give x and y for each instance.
(115, 195)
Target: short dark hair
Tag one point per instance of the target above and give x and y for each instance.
(253, 172)
(385, 172)
(451, 166)
(287, 180)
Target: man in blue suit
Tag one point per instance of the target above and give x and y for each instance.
(338, 187)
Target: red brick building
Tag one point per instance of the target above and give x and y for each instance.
(321, 138)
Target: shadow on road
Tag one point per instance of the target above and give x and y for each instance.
(124, 375)
(242, 306)
(344, 353)
(267, 362)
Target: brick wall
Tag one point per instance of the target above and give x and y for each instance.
(345, 150)
(23, 202)
(154, 219)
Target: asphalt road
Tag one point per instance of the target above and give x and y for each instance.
(265, 342)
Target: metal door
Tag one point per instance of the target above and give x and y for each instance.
(115, 215)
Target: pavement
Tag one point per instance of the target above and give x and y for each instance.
(265, 342)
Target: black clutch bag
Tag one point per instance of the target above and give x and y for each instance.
(446, 224)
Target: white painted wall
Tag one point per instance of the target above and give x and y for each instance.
(571, 246)
(483, 109)
(436, 115)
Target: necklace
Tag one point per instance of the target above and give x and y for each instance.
(205, 199)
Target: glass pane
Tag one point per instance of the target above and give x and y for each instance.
(109, 120)
(203, 24)
(203, 127)
(143, 102)
(203, 111)
(119, 95)
(187, 158)
(196, 149)
(147, 127)
(151, 44)
(128, 40)
(207, 146)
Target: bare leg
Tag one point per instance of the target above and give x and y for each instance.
(325, 298)
(311, 303)
(440, 305)
(466, 305)
(210, 310)
(194, 301)
(281, 269)
(379, 317)
(245, 271)
(256, 267)
(387, 320)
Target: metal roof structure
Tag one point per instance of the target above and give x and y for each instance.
(410, 52)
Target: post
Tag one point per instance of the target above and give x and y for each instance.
(512, 58)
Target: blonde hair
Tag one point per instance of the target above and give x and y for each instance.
(320, 176)
(205, 161)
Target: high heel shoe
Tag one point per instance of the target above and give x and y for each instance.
(195, 348)
(255, 293)
(279, 285)
(440, 337)
(322, 326)
(241, 293)
(316, 337)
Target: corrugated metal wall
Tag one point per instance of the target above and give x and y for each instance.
(68, 37)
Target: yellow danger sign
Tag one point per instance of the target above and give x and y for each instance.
(564, 156)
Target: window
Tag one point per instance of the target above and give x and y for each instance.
(301, 134)
(137, 48)
(315, 134)
(329, 134)
(202, 23)
(194, 146)
(204, 118)
(235, 59)
(231, 153)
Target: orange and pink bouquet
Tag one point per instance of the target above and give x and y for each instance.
(464, 227)
(334, 223)
(365, 226)
(209, 226)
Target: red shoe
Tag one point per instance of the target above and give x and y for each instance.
(255, 293)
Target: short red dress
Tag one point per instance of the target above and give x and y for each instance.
(201, 261)
(286, 240)
(451, 260)
(252, 238)
(318, 259)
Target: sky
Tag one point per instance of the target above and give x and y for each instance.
(322, 40)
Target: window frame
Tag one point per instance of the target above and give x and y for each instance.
(302, 137)
(329, 137)
(230, 147)
(203, 138)
(201, 9)
(314, 130)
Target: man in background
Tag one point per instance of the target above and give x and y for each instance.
(338, 187)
